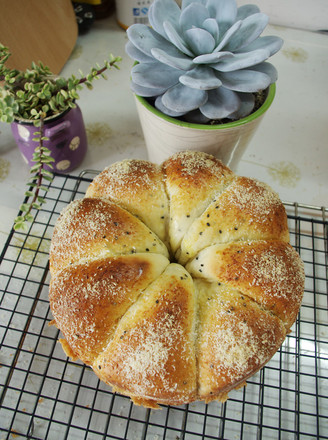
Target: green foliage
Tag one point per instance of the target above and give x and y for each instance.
(41, 157)
(35, 94)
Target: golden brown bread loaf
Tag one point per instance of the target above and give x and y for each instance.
(176, 282)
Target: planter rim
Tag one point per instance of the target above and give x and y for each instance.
(47, 120)
(259, 112)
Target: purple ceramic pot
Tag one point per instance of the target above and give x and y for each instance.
(67, 139)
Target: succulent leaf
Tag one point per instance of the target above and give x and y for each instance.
(246, 107)
(179, 98)
(224, 11)
(247, 10)
(212, 58)
(200, 41)
(221, 102)
(156, 75)
(270, 43)
(136, 54)
(202, 78)
(228, 35)
(193, 16)
(177, 62)
(211, 25)
(145, 39)
(175, 38)
(203, 60)
(161, 107)
(165, 10)
(250, 29)
(245, 80)
(268, 69)
(241, 60)
(147, 92)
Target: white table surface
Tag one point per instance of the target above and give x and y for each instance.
(289, 150)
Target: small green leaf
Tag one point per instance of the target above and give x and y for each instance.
(24, 207)
(21, 226)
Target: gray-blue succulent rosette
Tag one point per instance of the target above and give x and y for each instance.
(203, 61)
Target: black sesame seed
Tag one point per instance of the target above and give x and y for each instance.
(236, 229)
(208, 224)
(99, 366)
(200, 233)
(115, 223)
(147, 250)
(220, 231)
(200, 270)
(207, 215)
(188, 215)
(162, 217)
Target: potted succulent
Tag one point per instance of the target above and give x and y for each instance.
(200, 77)
(37, 98)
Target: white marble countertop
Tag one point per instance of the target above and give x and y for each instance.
(289, 150)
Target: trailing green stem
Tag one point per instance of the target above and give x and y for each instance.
(41, 157)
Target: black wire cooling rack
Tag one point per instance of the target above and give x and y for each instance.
(44, 395)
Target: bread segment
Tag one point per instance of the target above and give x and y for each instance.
(152, 355)
(236, 338)
(246, 210)
(193, 179)
(88, 227)
(138, 187)
(269, 272)
(88, 299)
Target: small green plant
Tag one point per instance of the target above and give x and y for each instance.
(36, 94)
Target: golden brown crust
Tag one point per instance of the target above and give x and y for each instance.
(89, 298)
(236, 338)
(246, 210)
(88, 227)
(152, 354)
(162, 333)
(193, 180)
(269, 272)
(135, 185)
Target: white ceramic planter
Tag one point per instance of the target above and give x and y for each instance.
(165, 136)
